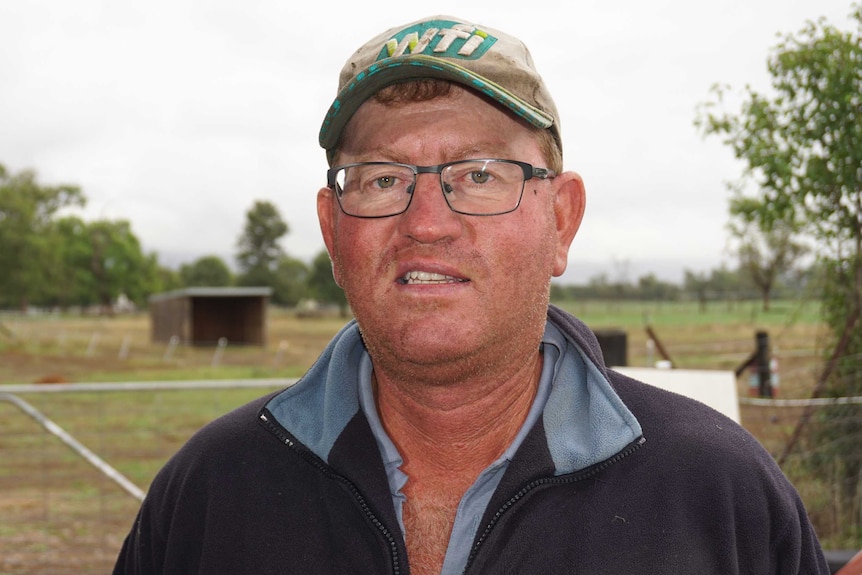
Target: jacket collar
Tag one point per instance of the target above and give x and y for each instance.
(583, 422)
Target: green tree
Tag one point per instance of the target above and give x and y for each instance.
(731, 285)
(290, 281)
(206, 271)
(653, 289)
(322, 283)
(94, 262)
(26, 211)
(166, 279)
(259, 250)
(152, 278)
(802, 147)
(697, 284)
(70, 279)
(765, 257)
(117, 263)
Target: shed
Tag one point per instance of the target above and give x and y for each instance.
(204, 315)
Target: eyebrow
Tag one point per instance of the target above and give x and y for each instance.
(472, 150)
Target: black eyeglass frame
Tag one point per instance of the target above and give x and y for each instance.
(529, 171)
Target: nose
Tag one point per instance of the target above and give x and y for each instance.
(429, 219)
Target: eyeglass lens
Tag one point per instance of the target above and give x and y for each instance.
(479, 187)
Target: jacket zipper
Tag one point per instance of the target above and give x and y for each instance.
(326, 470)
(562, 480)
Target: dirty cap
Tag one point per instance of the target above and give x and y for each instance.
(479, 58)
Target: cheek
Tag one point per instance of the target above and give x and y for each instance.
(359, 253)
(534, 244)
(521, 265)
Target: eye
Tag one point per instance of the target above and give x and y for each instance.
(385, 181)
(479, 176)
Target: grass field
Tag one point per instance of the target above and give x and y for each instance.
(60, 516)
(78, 349)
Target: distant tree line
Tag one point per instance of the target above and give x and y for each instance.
(53, 260)
(261, 261)
(718, 285)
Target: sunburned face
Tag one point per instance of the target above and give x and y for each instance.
(440, 295)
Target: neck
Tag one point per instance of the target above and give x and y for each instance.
(460, 426)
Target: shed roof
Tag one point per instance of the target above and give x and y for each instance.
(213, 292)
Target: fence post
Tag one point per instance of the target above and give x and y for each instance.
(124, 347)
(764, 372)
(219, 351)
(94, 341)
(659, 347)
(282, 347)
(172, 344)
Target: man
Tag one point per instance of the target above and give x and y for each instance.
(461, 424)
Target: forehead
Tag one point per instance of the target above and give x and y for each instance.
(456, 125)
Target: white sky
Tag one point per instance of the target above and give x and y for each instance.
(177, 114)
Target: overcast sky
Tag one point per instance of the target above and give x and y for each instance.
(177, 115)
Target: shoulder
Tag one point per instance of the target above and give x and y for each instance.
(230, 430)
(212, 451)
(681, 430)
(691, 448)
(695, 454)
(687, 423)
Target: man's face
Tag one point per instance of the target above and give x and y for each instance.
(439, 294)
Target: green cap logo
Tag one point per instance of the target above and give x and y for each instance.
(440, 38)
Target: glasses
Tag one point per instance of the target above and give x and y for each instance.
(470, 187)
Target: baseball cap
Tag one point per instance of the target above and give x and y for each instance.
(443, 47)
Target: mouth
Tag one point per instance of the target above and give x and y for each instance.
(428, 278)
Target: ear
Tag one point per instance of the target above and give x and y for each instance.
(569, 204)
(327, 206)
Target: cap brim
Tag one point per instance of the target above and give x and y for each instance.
(414, 67)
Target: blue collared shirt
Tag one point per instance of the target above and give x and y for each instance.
(475, 500)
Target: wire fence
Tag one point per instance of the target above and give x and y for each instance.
(75, 460)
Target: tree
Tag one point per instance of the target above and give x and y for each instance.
(152, 279)
(206, 271)
(117, 263)
(729, 283)
(259, 250)
(697, 284)
(766, 256)
(322, 283)
(651, 288)
(70, 278)
(291, 281)
(26, 212)
(94, 262)
(802, 147)
(166, 279)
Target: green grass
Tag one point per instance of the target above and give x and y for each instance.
(230, 372)
(635, 315)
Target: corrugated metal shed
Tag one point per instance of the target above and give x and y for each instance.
(203, 315)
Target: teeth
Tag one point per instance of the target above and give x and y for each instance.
(427, 278)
